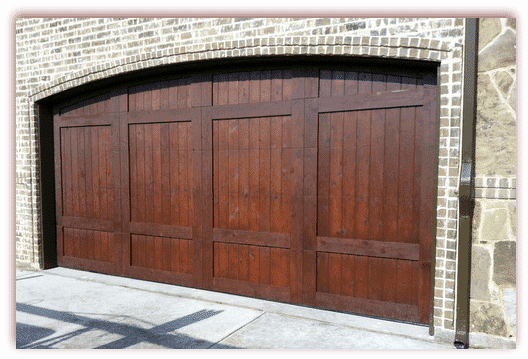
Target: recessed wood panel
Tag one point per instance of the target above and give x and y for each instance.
(88, 189)
(251, 263)
(161, 173)
(162, 253)
(89, 244)
(252, 174)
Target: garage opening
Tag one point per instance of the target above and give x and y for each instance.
(310, 182)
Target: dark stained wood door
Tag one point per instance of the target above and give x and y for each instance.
(303, 185)
(375, 176)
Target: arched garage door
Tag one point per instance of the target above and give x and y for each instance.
(306, 185)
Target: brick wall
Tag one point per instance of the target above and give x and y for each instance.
(56, 54)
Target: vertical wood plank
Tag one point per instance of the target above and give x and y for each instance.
(83, 249)
(276, 169)
(322, 272)
(349, 173)
(232, 88)
(223, 89)
(175, 255)
(88, 176)
(132, 99)
(287, 88)
(284, 279)
(277, 277)
(173, 94)
(264, 175)
(140, 94)
(265, 86)
(90, 249)
(223, 259)
(376, 192)
(243, 262)
(376, 278)
(158, 253)
(243, 166)
(391, 174)
(232, 271)
(406, 279)
(323, 176)
(389, 279)
(132, 153)
(362, 184)
(347, 275)
(334, 273)
(156, 168)
(97, 245)
(276, 85)
(166, 253)
(149, 178)
(254, 172)
(75, 171)
(243, 87)
(223, 181)
(233, 175)
(361, 277)
(325, 83)
(336, 175)
(104, 164)
(351, 83)
(216, 173)
(174, 173)
(66, 167)
(165, 173)
(112, 150)
(265, 265)
(184, 256)
(254, 264)
(184, 163)
(254, 86)
(365, 82)
(164, 94)
(338, 83)
(184, 100)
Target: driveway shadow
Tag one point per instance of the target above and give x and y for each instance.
(131, 335)
(27, 334)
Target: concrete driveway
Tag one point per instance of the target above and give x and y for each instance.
(69, 309)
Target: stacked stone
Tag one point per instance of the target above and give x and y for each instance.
(493, 279)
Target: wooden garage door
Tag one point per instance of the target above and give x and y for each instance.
(304, 185)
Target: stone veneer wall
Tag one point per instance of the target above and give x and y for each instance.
(55, 54)
(493, 279)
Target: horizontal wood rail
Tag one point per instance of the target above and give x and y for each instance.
(261, 109)
(372, 101)
(363, 247)
(160, 230)
(251, 237)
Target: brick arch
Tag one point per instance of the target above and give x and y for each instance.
(409, 48)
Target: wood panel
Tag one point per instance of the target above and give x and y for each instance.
(89, 244)
(161, 253)
(381, 279)
(88, 189)
(251, 174)
(161, 176)
(257, 264)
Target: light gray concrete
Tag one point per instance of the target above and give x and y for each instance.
(65, 308)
